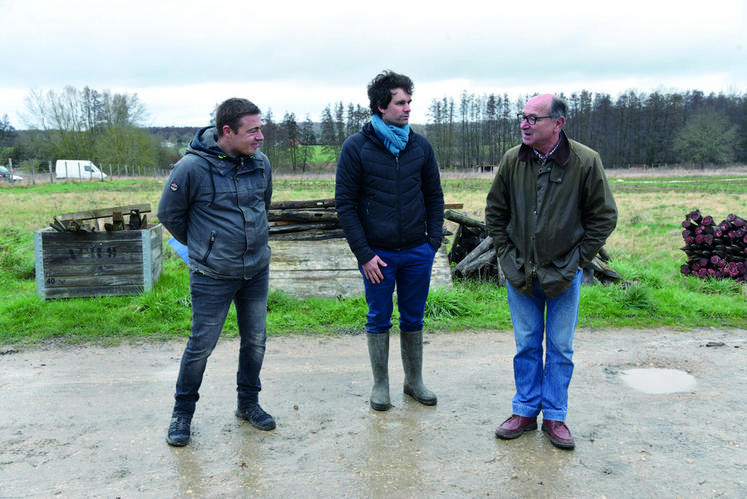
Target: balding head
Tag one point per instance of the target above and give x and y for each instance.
(550, 113)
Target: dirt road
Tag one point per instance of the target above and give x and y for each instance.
(91, 422)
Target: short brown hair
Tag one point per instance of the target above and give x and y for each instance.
(230, 112)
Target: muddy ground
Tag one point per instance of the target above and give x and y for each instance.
(91, 422)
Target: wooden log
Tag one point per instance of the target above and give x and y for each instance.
(284, 227)
(480, 265)
(330, 203)
(462, 219)
(484, 246)
(301, 216)
(309, 235)
(298, 205)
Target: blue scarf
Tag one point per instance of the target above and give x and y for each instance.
(394, 137)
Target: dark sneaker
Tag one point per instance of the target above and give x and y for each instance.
(257, 417)
(178, 432)
(515, 426)
(560, 435)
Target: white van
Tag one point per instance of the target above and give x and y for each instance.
(78, 169)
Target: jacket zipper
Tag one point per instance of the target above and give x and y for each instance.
(211, 242)
(399, 203)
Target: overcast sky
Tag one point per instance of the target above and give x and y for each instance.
(183, 57)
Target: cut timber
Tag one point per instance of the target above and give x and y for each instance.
(466, 267)
(302, 216)
(328, 269)
(463, 219)
(299, 205)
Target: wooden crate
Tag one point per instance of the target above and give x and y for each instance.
(328, 269)
(75, 264)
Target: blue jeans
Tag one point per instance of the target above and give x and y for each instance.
(538, 387)
(211, 300)
(410, 270)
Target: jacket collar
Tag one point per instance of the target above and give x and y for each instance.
(561, 155)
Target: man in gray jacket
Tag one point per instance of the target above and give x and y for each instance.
(549, 211)
(216, 201)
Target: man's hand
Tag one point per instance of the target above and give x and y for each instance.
(371, 270)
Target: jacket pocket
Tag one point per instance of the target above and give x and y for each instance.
(513, 267)
(568, 265)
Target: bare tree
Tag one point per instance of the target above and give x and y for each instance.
(88, 124)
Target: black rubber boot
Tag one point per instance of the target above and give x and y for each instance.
(411, 344)
(378, 352)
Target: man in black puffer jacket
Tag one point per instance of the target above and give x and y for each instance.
(390, 204)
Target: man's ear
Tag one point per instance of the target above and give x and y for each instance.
(559, 123)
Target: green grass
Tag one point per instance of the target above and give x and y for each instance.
(645, 250)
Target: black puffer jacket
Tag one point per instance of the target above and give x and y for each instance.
(387, 202)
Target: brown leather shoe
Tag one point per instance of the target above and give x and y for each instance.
(560, 434)
(515, 426)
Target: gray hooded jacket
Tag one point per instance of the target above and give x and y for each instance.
(217, 205)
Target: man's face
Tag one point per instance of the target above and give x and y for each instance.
(397, 112)
(247, 138)
(544, 134)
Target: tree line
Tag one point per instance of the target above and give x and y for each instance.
(635, 128)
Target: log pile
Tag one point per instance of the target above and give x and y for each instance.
(313, 220)
(715, 250)
(474, 255)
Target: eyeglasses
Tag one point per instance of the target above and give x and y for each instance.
(532, 120)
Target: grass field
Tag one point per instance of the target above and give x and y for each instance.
(645, 250)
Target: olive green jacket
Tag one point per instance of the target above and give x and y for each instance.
(549, 220)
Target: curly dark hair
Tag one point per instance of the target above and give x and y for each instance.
(230, 112)
(380, 89)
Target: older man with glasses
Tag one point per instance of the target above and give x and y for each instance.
(549, 211)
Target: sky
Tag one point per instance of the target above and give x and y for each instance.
(183, 57)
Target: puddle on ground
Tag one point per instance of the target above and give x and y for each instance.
(651, 380)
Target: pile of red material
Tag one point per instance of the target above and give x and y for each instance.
(715, 250)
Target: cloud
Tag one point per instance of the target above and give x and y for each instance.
(182, 57)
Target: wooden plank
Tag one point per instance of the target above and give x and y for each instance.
(91, 282)
(153, 267)
(328, 269)
(78, 292)
(92, 270)
(296, 205)
(302, 216)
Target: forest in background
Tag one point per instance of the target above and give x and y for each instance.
(633, 129)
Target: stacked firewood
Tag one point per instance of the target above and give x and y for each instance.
(475, 257)
(715, 250)
(304, 220)
(307, 220)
